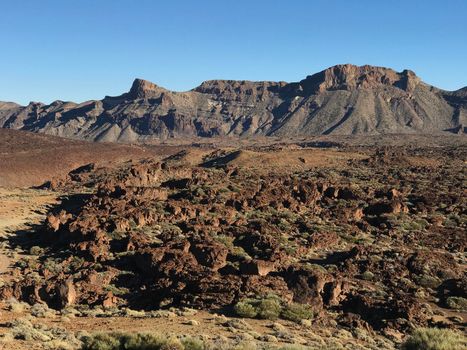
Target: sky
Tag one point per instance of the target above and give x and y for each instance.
(77, 50)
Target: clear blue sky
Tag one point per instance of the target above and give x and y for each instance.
(84, 49)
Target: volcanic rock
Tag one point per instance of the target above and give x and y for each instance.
(66, 293)
(343, 99)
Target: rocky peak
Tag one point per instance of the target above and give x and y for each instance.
(219, 86)
(238, 87)
(145, 89)
(351, 77)
(9, 105)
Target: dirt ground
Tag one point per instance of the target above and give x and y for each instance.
(199, 324)
(20, 208)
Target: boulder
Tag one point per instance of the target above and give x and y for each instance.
(212, 254)
(66, 293)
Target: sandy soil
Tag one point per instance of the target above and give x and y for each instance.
(20, 208)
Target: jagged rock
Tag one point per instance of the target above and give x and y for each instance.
(257, 267)
(182, 235)
(109, 300)
(67, 293)
(53, 222)
(212, 255)
(308, 286)
(334, 101)
(392, 207)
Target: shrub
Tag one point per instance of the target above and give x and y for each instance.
(269, 308)
(246, 309)
(54, 338)
(41, 310)
(435, 339)
(23, 329)
(297, 312)
(428, 281)
(137, 341)
(368, 276)
(148, 341)
(193, 344)
(134, 313)
(17, 306)
(101, 341)
(457, 303)
(53, 266)
(245, 346)
(35, 250)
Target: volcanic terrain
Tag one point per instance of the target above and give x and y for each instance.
(341, 100)
(349, 242)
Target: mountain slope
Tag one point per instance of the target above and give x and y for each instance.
(342, 100)
(28, 159)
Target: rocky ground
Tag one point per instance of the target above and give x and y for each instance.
(281, 243)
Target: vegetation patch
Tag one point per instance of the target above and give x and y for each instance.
(297, 312)
(271, 308)
(457, 303)
(435, 339)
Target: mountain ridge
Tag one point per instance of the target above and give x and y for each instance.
(343, 99)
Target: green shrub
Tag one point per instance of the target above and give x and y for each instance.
(269, 308)
(141, 341)
(457, 303)
(35, 250)
(149, 341)
(101, 341)
(435, 339)
(171, 344)
(128, 341)
(428, 281)
(193, 344)
(297, 312)
(368, 276)
(246, 309)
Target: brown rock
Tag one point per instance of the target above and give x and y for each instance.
(66, 293)
(109, 300)
(53, 222)
(257, 267)
(212, 255)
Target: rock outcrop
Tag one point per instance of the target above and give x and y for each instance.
(375, 242)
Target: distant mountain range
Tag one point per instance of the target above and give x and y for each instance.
(341, 100)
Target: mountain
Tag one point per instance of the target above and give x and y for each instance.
(341, 100)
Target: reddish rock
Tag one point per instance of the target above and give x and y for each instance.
(257, 267)
(53, 222)
(109, 300)
(67, 293)
(308, 286)
(212, 255)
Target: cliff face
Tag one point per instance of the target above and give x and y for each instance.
(350, 77)
(344, 99)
